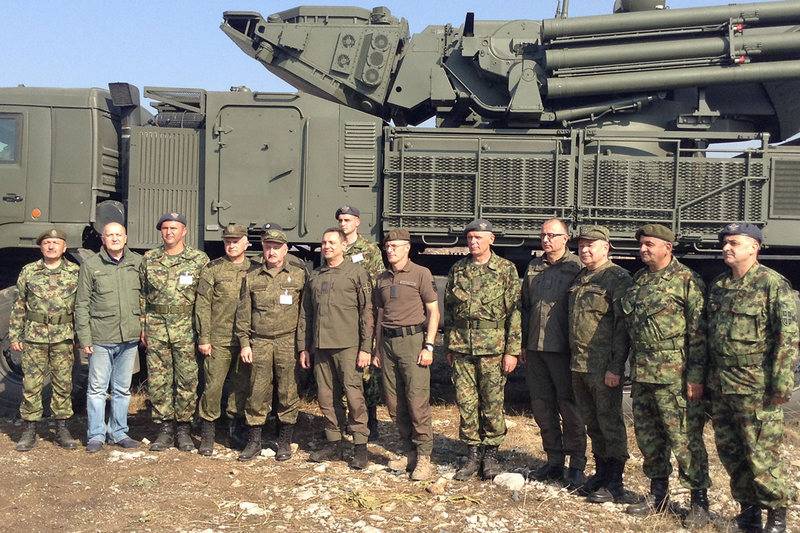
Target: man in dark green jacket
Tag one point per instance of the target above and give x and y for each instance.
(108, 326)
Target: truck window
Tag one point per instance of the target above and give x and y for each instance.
(9, 137)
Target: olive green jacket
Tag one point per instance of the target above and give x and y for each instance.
(217, 298)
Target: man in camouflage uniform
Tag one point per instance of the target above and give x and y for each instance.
(266, 325)
(752, 340)
(482, 340)
(599, 345)
(546, 355)
(169, 277)
(41, 327)
(214, 314)
(664, 311)
(367, 254)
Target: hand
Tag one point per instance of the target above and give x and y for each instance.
(246, 355)
(509, 363)
(376, 360)
(88, 350)
(523, 356)
(204, 349)
(305, 359)
(425, 358)
(16, 346)
(450, 357)
(611, 380)
(362, 361)
(694, 391)
(143, 339)
(778, 399)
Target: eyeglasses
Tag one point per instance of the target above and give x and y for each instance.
(394, 246)
(551, 235)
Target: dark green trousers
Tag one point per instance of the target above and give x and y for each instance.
(336, 374)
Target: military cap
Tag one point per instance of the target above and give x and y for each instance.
(273, 233)
(479, 224)
(397, 234)
(52, 234)
(171, 217)
(594, 233)
(234, 231)
(658, 231)
(348, 210)
(751, 230)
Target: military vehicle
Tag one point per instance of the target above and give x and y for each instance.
(617, 119)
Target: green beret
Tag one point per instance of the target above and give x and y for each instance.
(398, 234)
(658, 231)
(52, 234)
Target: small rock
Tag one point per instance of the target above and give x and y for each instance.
(609, 505)
(294, 447)
(145, 441)
(416, 520)
(251, 508)
(321, 468)
(306, 494)
(236, 483)
(375, 467)
(377, 518)
(449, 475)
(233, 472)
(370, 529)
(267, 452)
(389, 507)
(511, 481)
(438, 488)
(515, 496)
(472, 519)
(510, 424)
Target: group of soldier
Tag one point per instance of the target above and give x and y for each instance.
(575, 322)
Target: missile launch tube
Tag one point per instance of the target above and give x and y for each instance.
(659, 80)
(766, 12)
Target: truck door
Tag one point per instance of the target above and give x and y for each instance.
(13, 168)
(260, 164)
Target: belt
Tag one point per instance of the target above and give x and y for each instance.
(675, 343)
(478, 324)
(272, 335)
(170, 309)
(43, 318)
(403, 331)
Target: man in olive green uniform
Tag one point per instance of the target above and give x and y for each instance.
(482, 340)
(266, 324)
(752, 341)
(169, 276)
(367, 254)
(664, 311)
(41, 328)
(546, 355)
(214, 314)
(599, 346)
(335, 328)
(407, 318)
(108, 325)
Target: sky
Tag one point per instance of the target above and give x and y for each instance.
(88, 43)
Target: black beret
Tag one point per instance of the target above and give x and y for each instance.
(348, 210)
(479, 224)
(171, 217)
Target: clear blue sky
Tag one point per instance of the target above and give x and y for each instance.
(179, 43)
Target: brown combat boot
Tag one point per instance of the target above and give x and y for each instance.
(360, 457)
(423, 469)
(406, 462)
(470, 467)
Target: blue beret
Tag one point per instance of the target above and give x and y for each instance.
(742, 228)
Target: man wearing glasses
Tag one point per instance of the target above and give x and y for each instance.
(546, 353)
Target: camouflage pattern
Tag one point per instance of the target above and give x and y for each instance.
(224, 365)
(171, 366)
(753, 341)
(601, 411)
(480, 383)
(598, 334)
(40, 361)
(275, 368)
(217, 298)
(482, 308)
(43, 310)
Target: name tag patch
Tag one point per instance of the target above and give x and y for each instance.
(285, 298)
(185, 279)
(357, 258)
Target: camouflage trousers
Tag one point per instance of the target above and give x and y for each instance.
(372, 386)
(748, 436)
(274, 367)
(601, 411)
(40, 361)
(224, 365)
(408, 391)
(171, 379)
(336, 374)
(664, 421)
(480, 393)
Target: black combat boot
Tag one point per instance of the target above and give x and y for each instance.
(331, 451)
(63, 436)
(655, 502)
(776, 520)
(372, 422)
(574, 478)
(614, 491)
(490, 466)
(165, 438)
(550, 471)
(597, 480)
(698, 512)
(183, 437)
(27, 440)
(749, 519)
(237, 436)
(253, 447)
(207, 435)
(284, 451)
(360, 457)
(471, 467)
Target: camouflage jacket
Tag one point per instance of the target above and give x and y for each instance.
(43, 311)
(598, 337)
(752, 333)
(545, 322)
(482, 308)
(217, 298)
(269, 303)
(664, 312)
(368, 255)
(169, 285)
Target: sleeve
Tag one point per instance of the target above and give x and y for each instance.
(696, 354)
(244, 313)
(143, 291)
(524, 306)
(783, 321)
(202, 304)
(83, 327)
(620, 341)
(300, 332)
(513, 314)
(16, 325)
(374, 263)
(427, 288)
(305, 322)
(365, 318)
(448, 309)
